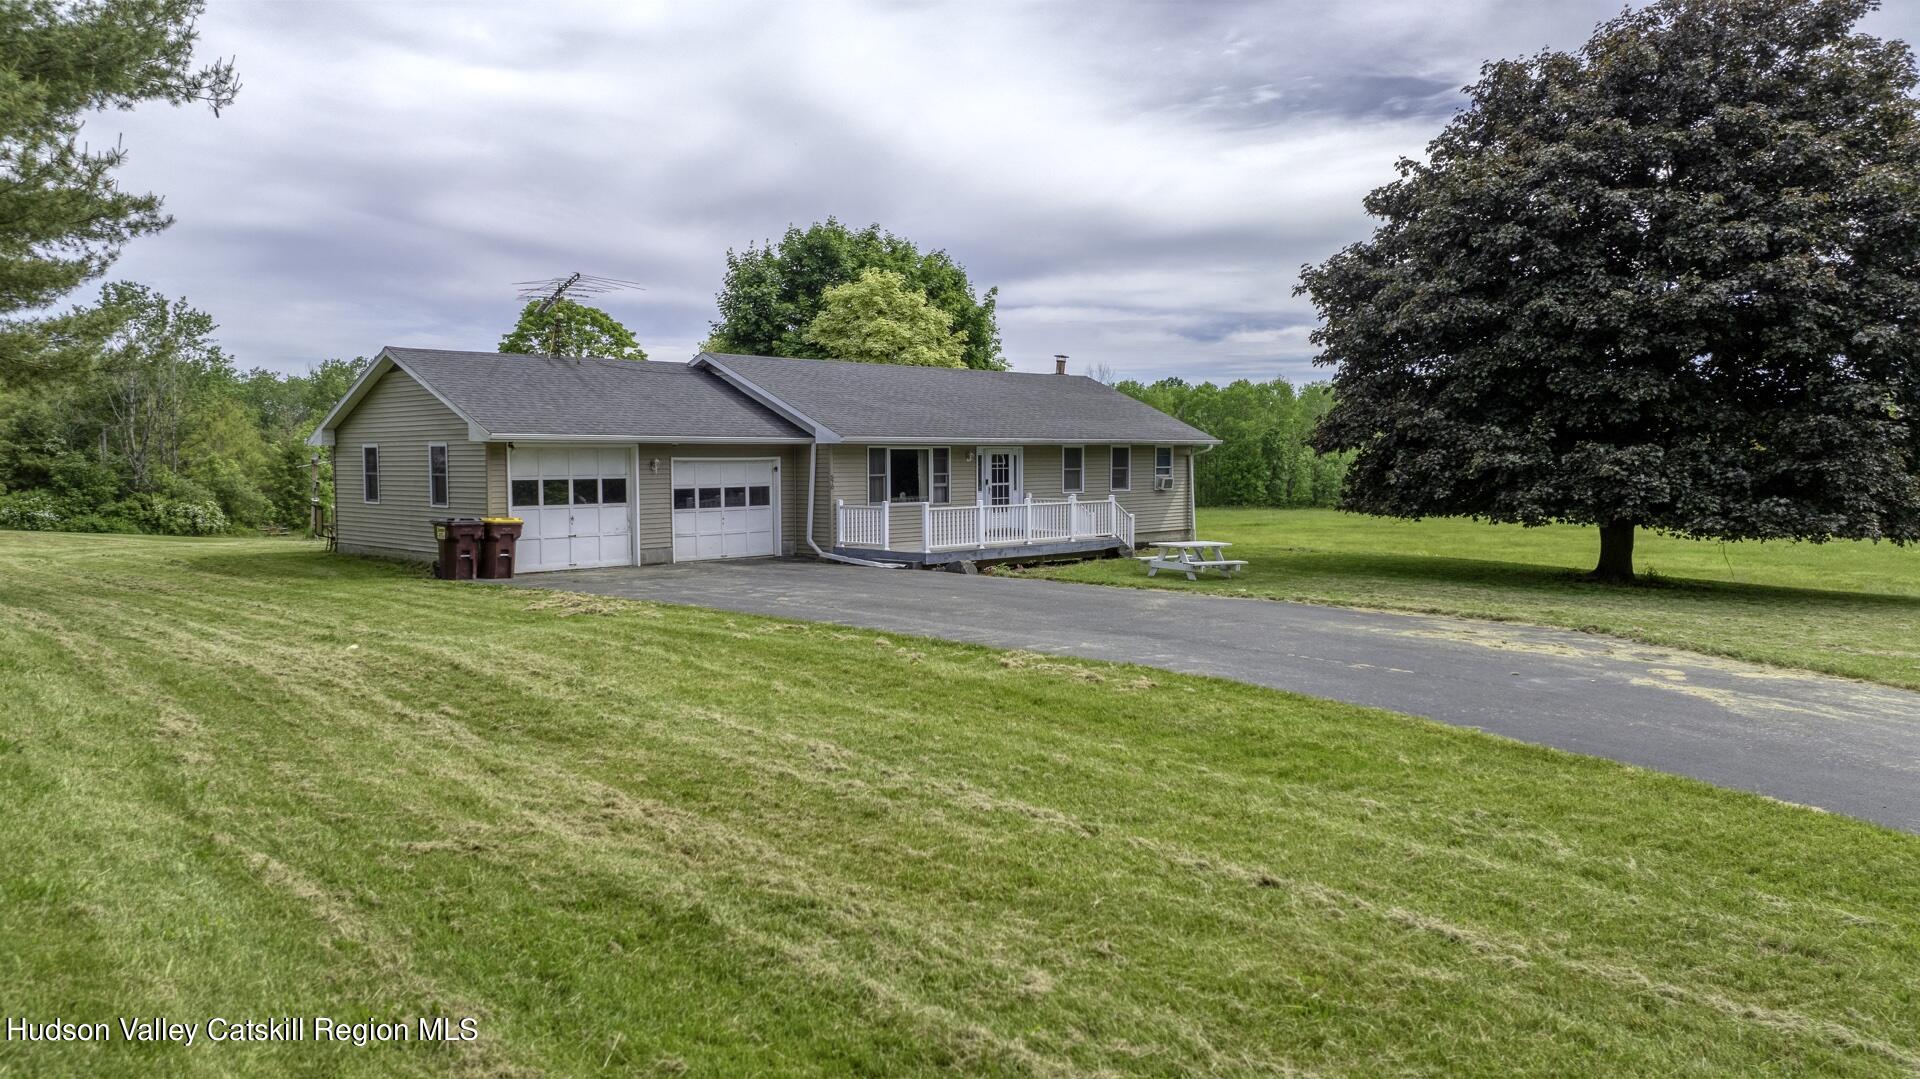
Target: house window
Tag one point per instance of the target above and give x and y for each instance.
(1073, 469)
(942, 481)
(894, 475)
(876, 474)
(1162, 464)
(1122, 468)
(903, 480)
(436, 473)
(370, 473)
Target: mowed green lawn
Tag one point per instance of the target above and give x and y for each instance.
(1843, 608)
(244, 778)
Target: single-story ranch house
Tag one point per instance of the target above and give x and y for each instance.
(619, 463)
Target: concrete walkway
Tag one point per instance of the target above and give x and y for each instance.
(1846, 746)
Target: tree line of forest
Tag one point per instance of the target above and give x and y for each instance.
(1264, 457)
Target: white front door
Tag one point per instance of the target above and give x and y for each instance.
(575, 505)
(724, 509)
(1000, 481)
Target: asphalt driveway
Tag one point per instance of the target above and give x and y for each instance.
(1845, 746)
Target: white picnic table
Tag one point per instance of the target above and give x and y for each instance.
(1192, 557)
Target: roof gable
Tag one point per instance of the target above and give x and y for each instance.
(508, 395)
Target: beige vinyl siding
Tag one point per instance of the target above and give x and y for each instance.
(401, 417)
(846, 468)
(823, 496)
(654, 490)
(906, 526)
(1156, 514)
(497, 479)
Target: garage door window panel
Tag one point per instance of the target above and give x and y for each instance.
(586, 492)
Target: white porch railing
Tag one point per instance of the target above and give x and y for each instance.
(862, 526)
(918, 526)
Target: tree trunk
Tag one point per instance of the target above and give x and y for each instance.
(1616, 552)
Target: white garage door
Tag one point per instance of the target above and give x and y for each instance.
(723, 509)
(575, 505)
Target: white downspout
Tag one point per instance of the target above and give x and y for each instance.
(1193, 492)
(813, 473)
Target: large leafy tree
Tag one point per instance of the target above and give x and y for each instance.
(772, 293)
(157, 367)
(1669, 281)
(565, 328)
(63, 218)
(879, 318)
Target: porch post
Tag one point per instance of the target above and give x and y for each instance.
(980, 518)
(1113, 515)
(1026, 518)
(839, 538)
(926, 526)
(1073, 517)
(886, 526)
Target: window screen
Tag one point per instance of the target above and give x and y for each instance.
(1122, 468)
(1073, 469)
(1163, 462)
(370, 473)
(437, 475)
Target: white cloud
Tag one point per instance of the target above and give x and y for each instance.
(1142, 181)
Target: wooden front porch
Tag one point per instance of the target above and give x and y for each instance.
(920, 532)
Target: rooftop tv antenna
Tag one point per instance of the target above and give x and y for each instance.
(552, 290)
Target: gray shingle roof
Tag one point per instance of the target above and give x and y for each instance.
(537, 395)
(884, 402)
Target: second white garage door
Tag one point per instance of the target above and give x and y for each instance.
(724, 509)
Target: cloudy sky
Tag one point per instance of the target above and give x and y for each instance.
(1142, 181)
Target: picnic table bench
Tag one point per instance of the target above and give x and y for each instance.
(1192, 557)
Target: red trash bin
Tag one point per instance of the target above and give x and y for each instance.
(459, 547)
(497, 547)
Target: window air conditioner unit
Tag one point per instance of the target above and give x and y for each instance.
(1163, 483)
